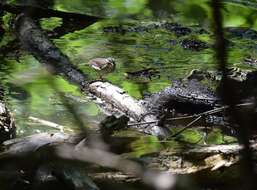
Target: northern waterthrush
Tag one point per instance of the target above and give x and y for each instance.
(102, 65)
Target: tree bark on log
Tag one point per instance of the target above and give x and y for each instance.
(129, 106)
(7, 126)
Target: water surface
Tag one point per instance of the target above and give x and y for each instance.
(29, 93)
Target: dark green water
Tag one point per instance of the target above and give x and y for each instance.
(28, 90)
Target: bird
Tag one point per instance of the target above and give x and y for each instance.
(103, 65)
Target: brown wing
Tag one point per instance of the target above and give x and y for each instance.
(98, 63)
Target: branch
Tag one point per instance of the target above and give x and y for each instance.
(197, 161)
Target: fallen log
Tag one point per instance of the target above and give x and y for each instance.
(20, 147)
(212, 163)
(185, 97)
(31, 152)
(129, 106)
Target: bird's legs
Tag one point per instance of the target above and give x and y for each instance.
(100, 76)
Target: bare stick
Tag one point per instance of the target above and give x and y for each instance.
(187, 126)
(47, 123)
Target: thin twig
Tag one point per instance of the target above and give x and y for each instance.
(47, 123)
(187, 126)
(209, 112)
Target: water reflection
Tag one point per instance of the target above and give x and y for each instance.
(161, 8)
